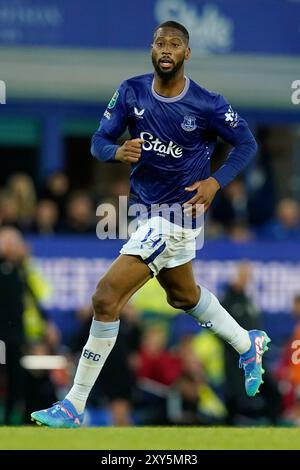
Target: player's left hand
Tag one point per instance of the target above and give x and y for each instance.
(206, 191)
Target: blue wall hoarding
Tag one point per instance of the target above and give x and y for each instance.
(74, 265)
(219, 26)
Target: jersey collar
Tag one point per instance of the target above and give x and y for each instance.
(173, 99)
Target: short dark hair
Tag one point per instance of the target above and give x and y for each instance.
(174, 25)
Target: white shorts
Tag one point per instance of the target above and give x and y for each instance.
(162, 244)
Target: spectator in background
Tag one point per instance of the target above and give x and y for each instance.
(157, 370)
(80, 214)
(46, 218)
(11, 321)
(22, 320)
(183, 401)
(57, 188)
(242, 409)
(288, 370)
(231, 205)
(22, 188)
(155, 361)
(286, 225)
(231, 211)
(260, 181)
(279, 143)
(37, 327)
(9, 210)
(191, 400)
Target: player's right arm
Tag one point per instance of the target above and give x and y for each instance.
(130, 151)
(112, 126)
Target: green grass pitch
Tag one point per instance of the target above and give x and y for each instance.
(155, 438)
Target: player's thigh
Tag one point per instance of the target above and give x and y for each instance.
(123, 278)
(180, 285)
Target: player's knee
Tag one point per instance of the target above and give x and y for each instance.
(183, 302)
(105, 305)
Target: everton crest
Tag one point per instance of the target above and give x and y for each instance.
(189, 123)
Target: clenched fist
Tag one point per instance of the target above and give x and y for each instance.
(130, 151)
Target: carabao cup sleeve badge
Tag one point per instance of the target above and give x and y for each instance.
(113, 100)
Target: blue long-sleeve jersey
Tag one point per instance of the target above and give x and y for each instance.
(179, 138)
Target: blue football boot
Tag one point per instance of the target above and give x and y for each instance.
(61, 415)
(251, 361)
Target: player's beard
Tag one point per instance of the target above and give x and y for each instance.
(167, 75)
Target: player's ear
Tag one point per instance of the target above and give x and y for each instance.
(187, 53)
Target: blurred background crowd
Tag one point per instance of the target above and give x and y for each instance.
(262, 204)
(164, 369)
